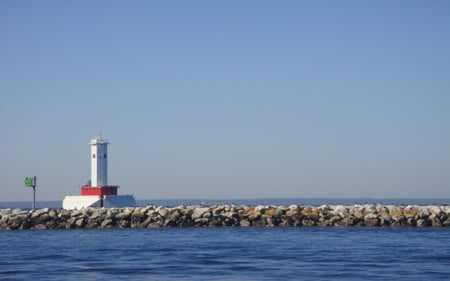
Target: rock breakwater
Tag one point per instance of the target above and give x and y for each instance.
(228, 215)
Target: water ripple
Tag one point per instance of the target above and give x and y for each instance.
(227, 254)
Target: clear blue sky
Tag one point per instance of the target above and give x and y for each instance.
(227, 99)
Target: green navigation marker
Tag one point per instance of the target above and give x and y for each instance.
(29, 181)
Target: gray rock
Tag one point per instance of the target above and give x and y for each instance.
(371, 220)
(435, 221)
(258, 222)
(308, 222)
(422, 222)
(339, 210)
(201, 221)
(385, 220)
(445, 210)
(411, 221)
(53, 213)
(398, 220)
(77, 213)
(79, 223)
(107, 223)
(446, 222)
(156, 224)
(95, 216)
(38, 213)
(123, 223)
(435, 210)
(293, 210)
(51, 224)
(125, 215)
(162, 211)
(346, 221)
(170, 222)
(39, 227)
(423, 212)
(230, 222)
(199, 212)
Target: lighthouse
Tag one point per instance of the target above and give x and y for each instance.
(99, 170)
(97, 192)
(99, 162)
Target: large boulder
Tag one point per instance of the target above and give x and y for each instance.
(371, 220)
(423, 222)
(199, 212)
(293, 210)
(358, 211)
(411, 211)
(446, 222)
(162, 211)
(435, 210)
(395, 210)
(310, 211)
(245, 223)
(253, 213)
(339, 210)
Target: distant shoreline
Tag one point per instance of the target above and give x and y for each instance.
(27, 205)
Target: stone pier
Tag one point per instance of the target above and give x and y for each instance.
(369, 215)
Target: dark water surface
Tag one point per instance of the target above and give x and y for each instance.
(301, 253)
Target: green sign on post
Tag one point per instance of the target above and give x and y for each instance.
(31, 181)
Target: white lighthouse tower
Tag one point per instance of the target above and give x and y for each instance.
(99, 161)
(97, 193)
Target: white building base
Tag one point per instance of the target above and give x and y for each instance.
(80, 202)
(119, 201)
(109, 201)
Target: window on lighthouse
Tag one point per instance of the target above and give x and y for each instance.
(104, 155)
(93, 156)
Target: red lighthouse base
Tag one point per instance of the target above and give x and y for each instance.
(100, 191)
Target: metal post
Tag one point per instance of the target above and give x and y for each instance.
(34, 198)
(34, 193)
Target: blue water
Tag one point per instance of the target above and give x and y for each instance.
(227, 254)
